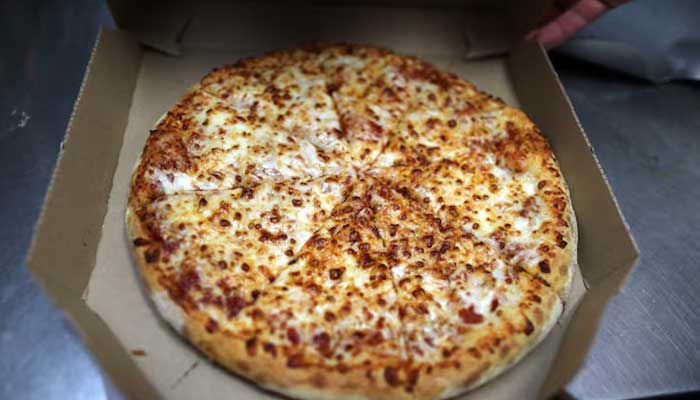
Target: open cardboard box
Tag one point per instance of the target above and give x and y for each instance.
(80, 252)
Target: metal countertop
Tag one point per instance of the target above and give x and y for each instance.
(647, 138)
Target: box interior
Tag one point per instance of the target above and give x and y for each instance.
(126, 89)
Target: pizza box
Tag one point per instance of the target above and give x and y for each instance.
(80, 253)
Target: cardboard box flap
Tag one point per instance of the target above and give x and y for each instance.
(476, 28)
(62, 254)
(157, 24)
(258, 29)
(606, 249)
(487, 33)
(607, 252)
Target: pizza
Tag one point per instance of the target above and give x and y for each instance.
(346, 222)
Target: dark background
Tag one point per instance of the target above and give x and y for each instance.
(647, 138)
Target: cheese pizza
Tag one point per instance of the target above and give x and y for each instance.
(345, 222)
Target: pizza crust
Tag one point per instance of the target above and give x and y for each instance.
(273, 373)
(554, 314)
(481, 377)
(569, 261)
(358, 382)
(171, 312)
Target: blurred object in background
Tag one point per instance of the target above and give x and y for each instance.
(654, 40)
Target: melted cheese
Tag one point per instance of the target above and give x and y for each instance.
(179, 183)
(256, 168)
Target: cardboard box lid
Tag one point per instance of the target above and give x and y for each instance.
(483, 27)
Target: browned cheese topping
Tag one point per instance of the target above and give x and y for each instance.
(348, 211)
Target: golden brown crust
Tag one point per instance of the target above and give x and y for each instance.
(135, 230)
(506, 353)
(274, 373)
(405, 139)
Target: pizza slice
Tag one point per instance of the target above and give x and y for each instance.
(294, 98)
(464, 309)
(444, 117)
(427, 134)
(465, 315)
(328, 324)
(193, 242)
(369, 95)
(203, 144)
(522, 211)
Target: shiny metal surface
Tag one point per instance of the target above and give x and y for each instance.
(45, 46)
(647, 138)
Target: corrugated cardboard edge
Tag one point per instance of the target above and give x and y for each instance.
(62, 252)
(611, 221)
(491, 29)
(157, 24)
(602, 283)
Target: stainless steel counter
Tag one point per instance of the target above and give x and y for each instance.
(647, 138)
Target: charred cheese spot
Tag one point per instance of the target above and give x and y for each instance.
(140, 242)
(335, 273)
(469, 316)
(322, 341)
(234, 305)
(152, 256)
(212, 326)
(270, 348)
(293, 336)
(391, 376)
(251, 346)
(296, 361)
